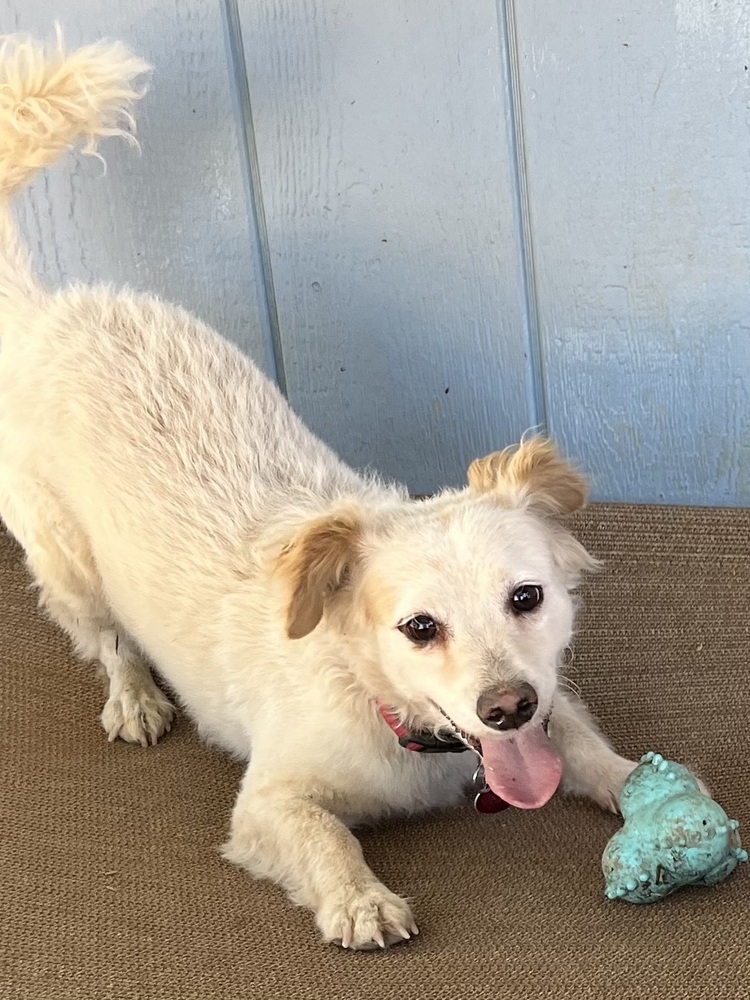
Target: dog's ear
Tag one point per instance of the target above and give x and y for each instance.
(316, 564)
(533, 474)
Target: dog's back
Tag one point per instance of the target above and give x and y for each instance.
(141, 454)
(142, 421)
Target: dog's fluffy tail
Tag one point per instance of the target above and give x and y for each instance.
(51, 100)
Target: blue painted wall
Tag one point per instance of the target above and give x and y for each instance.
(439, 224)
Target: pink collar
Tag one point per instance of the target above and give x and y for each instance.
(422, 741)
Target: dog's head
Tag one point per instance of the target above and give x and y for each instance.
(457, 608)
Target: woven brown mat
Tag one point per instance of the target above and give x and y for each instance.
(111, 885)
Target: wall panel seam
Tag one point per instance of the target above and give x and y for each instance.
(536, 389)
(252, 179)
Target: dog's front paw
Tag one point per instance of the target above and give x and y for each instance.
(137, 715)
(705, 790)
(367, 918)
(610, 779)
(614, 778)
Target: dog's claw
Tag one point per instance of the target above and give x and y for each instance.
(374, 919)
(137, 716)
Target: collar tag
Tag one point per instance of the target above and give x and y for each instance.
(486, 801)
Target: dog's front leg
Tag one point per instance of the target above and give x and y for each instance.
(281, 831)
(590, 766)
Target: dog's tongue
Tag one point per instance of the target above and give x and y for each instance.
(524, 769)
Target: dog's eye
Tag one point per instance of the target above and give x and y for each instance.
(420, 630)
(526, 598)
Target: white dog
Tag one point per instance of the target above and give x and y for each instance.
(312, 621)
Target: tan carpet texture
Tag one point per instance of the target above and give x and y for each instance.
(111, 885)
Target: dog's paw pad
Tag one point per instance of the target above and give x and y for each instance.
(137, 715)
(367, 919)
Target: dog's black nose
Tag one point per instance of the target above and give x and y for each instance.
(507, 708)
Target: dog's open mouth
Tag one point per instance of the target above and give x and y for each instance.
(523, 768)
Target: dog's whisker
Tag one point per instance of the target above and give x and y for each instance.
(571, 685)
(465, 738)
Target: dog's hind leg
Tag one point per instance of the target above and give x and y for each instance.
(136, 710)
(60, 560)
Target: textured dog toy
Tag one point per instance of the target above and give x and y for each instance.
(673, 835)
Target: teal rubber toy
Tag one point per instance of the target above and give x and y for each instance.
(673, 835)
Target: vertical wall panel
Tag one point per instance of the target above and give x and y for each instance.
(175, 219)
(394, 226)
(387, 184)
(638, 158)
